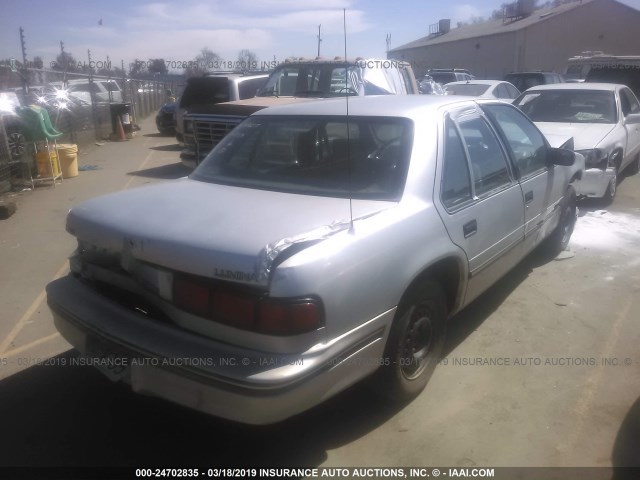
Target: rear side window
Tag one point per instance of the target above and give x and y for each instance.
(456, 181)
(249, 88)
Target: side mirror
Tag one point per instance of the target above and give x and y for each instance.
(632, 119)
(561, 156)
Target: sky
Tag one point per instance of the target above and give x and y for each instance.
(124, 30)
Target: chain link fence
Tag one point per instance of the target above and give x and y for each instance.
(83, 107)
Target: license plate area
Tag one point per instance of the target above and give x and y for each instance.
(113, 362)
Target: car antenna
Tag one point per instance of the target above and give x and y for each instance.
(346, 97)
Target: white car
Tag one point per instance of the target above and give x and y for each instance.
(604, 121)
(494, 89)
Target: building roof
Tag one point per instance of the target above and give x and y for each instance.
(493, 27)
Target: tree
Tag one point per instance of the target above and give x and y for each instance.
(157, 65)
(137, 68)
(65, 62)
(37, 62)
(206, 61)
(247, 60)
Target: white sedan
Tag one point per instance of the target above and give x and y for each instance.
(494, 89)
(604, 121)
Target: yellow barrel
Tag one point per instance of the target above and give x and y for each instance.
(68, 153)
(44, 165)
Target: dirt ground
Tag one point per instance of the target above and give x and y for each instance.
(542, 370)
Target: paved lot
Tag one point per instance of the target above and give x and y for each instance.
(543, 370)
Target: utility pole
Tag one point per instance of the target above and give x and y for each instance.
(319, 38)
(25, 87)
(388, 43)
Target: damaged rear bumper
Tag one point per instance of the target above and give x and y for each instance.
(163, 360)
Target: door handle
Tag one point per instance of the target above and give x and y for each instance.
(528, 197)
(470, 228)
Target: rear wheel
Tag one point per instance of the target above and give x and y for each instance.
(415, 343)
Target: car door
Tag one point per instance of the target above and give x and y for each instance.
(480, 201)
(629, 105)
(542, 184)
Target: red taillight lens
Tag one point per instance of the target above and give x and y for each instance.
(234, 309)
(285, 317)
(191, 295)
(246, 310)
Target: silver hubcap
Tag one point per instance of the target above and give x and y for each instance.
(417, 342)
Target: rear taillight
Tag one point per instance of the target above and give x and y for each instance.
(244, 309)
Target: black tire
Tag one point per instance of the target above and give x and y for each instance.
(415, 343)
(559, 239)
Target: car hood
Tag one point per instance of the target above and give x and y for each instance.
(211, 230)
(585, 135)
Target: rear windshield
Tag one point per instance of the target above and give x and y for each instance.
(362, 157)
(569, 106)
(474, 90)
(205, 91)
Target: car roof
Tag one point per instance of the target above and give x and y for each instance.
(476, 82)
(408, 106)
(611, 87)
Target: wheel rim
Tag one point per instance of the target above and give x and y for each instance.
(417, 342)
(16, 144)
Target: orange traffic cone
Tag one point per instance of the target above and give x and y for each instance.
(121, 137)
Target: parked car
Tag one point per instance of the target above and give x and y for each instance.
(325, 249)
(79, 90)
(483, 89)
(604, 121)
(201, 93)
(525, 80)
(448, 75)
(297, 81)
(621, 73)
(166, 119)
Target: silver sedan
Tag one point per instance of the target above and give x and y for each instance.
(312, 249)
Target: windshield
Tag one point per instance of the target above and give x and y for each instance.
(569, 106)
(332, 80)
(524, 81)
(471, 89)
(362, 157)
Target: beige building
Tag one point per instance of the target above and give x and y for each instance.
(527, 39)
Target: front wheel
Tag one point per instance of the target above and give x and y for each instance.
(610, 193)
(415, 343)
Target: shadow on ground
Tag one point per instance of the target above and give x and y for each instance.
(73, 416)
(167, 148)
(166, 172)
(626, 449)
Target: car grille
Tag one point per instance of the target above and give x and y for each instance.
(208, 134)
